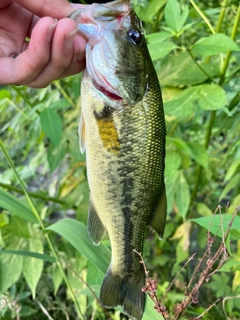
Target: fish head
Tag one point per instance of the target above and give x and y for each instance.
(116, 52)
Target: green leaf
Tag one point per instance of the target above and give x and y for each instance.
(14, 205)
(203, 210)
(158, 37)
(173, 161)
(183, 105)
(234, 181)
(206, 97)
(52, 125)
(232, 169)
(173, 16)
(199, 153)
(10, 267)
(211, 97)
(30, 254)
(182, 196)
(60, 104)
(32, 268)
(18, 227)
(57, 278)
(215, 44)
(218, 223)
(76, 233)
(158, 51)
(55, 155)
(181, 70)
(147, 14)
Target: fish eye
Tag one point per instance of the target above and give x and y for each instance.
(135, 36)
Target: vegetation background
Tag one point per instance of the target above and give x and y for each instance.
(44, 190)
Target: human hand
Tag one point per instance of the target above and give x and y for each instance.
(54, 51)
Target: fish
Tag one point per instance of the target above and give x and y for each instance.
(122, 130)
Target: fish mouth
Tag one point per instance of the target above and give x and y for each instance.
(110, 95)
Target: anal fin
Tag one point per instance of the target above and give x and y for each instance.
(95, 227)
(159, 216)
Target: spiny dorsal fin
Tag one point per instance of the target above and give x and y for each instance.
(95, 227)
(159, 216)
(81, 132)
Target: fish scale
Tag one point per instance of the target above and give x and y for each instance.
(123, 131)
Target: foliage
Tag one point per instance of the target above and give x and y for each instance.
(195, 49)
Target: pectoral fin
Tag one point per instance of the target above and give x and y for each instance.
(159, 216)
(95, 227)
(81, 132)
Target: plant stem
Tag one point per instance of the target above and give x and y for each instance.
(202, 15)
(220, 83)
(36, 214)
(33, 194)
(63, 92)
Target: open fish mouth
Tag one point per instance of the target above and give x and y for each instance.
(108, 94)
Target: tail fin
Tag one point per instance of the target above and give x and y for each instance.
(125, 291)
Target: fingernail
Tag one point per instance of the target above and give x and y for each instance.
(69, 38)
(51, 29)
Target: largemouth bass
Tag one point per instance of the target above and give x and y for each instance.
(122, 129)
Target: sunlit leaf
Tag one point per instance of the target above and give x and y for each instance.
(175, 16)
(160, 50)
(76, 233)
(215, 44)
(218, 223)
(180, 70)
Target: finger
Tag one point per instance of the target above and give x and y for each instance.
(54, 8)
(28, 64)
(67, 57)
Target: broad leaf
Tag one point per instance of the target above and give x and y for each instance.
(10, 266)
(181, 70)
(211, 97)
(55, 155)
(215, 44)
(14, 205)
(32, 268)
(76, 233)
(182, 196)
(199, 153)
(57, 278)
(215, 224)
(147, 14)
(52, 125)
(174, 18)
(206, 96)
(160, 50)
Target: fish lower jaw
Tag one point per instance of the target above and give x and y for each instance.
(110, 95)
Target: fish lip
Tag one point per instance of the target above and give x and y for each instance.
(109, 94)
